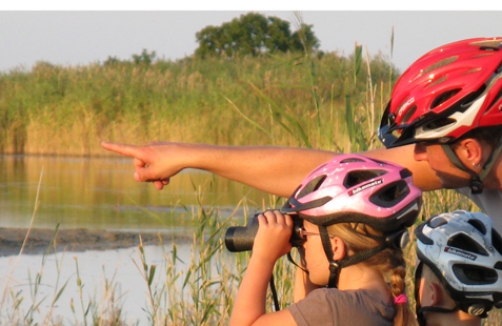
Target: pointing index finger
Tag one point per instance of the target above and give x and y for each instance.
(123, 149)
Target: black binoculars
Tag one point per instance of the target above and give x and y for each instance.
(241, 238)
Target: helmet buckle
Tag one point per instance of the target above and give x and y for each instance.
(476, 309)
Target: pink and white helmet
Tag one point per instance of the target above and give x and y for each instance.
(352, 188)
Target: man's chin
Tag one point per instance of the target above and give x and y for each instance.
(456, 185)
(448, 186)
(452, 182)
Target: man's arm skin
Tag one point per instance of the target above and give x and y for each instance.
(276, 170)
(423, 176)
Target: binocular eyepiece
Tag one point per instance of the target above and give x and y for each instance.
(241, 238)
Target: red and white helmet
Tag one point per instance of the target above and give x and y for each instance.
(447, 92)
(381, 193)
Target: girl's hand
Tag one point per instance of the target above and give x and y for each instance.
(274, 233)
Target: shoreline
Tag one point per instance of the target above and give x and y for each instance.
(41, 240)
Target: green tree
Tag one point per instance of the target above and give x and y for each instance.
(279, 35)
(304, 39)
(254, 34)
(144, 58)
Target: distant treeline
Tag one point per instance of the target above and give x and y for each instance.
(323, 101)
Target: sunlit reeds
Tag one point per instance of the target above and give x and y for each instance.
(69, 110)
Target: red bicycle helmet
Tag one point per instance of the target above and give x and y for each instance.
(447, 92)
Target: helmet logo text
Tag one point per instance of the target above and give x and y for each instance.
(461, 253)
(405, 106)
(365, 186)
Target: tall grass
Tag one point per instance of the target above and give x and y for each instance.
(69, 110)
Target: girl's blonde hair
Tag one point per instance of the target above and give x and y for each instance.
(389, 262)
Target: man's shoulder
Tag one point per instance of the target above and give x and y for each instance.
(489, 202)
(486, 193)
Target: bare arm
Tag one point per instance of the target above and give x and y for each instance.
(276, 170)
(271, 242)
(423, 176)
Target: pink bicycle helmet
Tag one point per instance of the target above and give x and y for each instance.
(447, 92)
(353, 188)
(381, 193)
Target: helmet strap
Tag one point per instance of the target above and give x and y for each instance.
(336, 265)
(476, 183)
(491, 160)
(420, 314)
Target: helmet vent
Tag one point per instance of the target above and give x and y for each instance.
(462, 241)
(405, 173)
(495, 100)
(492, 44)
(478, 225)
(437, 81)
(474, 275)
(437, 221)
(351, 160)
(497, 241)
(312, 186)
(390, 195)
(444, 97)
(438, 123)
(467, 102)
(355, 178)
(409, 114)
(440, 64)
(473, 70)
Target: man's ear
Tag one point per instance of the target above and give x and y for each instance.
(472, 151)
(339, 248)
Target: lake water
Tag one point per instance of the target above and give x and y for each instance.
(99, 193)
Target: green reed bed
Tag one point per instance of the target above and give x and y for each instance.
(69, 110)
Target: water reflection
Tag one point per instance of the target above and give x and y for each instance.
(101, 193)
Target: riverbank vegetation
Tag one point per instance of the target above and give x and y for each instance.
(285, 99)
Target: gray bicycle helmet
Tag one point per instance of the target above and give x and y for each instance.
(465, 252)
